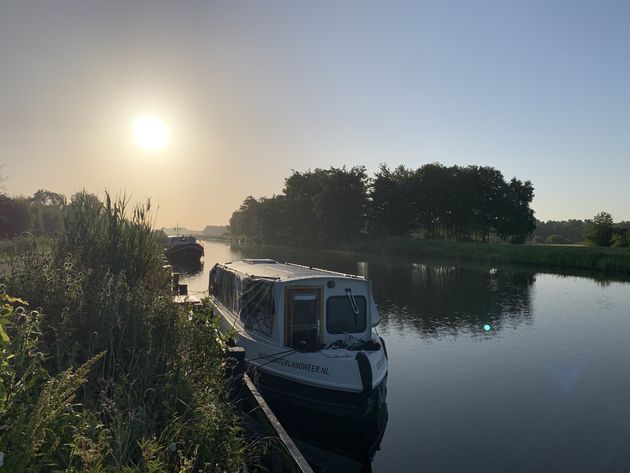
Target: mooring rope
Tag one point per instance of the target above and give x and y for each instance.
(291, 352)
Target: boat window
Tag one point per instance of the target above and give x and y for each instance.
(341, 317)
(303, 323)
(250, 298)
(257, 305)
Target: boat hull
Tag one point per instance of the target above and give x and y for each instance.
(330, 401)
(188, 252)
(349, 383)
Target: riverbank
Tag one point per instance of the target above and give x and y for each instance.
(571, 257)
(108, 373)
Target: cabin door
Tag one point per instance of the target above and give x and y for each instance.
(303, 317)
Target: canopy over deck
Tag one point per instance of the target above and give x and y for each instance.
(271, 269)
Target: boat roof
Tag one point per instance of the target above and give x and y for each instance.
(268, 268)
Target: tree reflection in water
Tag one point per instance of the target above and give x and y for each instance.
(440, 300)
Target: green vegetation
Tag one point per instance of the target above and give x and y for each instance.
(588, 231)
(434, 202)
(572, 230)
(558, 240)
(599, 232)
(611, 260)
(40, 214)
(108, 374)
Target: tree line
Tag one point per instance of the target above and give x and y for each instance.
(40, 214)
(601, 230)
(465, 203)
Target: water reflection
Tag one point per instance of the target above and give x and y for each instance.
(435, 299)
(332, 444)
(188, 268)
(430, 299)
(551, 395)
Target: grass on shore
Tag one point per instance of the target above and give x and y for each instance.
(610, 260)
(556, 257)
(107, 374)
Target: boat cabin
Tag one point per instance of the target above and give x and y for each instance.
(298, 307)
(180, 240)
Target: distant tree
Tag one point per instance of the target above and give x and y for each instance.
(434, 201)
(48, 198)
(47, 212)
(489, 202)
(341, 203)
(432, 189)
(599, 232)
(516, 220)
(15, 216)
(538, 239)
(557, 240)
(620, 237)
(392, 202)
(572, 229)
(325, 204)
(242, 222)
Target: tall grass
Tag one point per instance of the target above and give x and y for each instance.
(155, 398)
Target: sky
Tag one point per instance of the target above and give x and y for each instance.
(252, 90)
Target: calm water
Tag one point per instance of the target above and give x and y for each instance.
(493, 370)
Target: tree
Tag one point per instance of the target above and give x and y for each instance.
(242, 220)
(15, 216)
(49, 198)
(436, 201)
(340, 202)
(391, 206)
(47, 212)
(516, 221)
(599, 232)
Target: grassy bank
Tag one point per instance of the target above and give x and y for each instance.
(108, 374)
(553, 257)
(611, 260)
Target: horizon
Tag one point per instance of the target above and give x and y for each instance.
(198, 105)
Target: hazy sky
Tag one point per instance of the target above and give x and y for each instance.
(251, 90)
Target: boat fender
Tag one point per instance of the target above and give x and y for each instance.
(384, 347)
(365, 370)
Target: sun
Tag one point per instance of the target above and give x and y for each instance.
(150, 133)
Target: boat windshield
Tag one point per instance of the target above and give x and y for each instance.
(342, 317)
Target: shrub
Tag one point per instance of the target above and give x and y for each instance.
(557, 240)
(599, 232)
(159, 394)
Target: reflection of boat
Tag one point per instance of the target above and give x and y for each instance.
(334, 444)
(183, 248)
(187, 268)
(308, 333)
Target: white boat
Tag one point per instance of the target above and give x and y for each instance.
(309, 333)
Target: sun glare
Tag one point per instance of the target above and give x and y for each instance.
(150, 133)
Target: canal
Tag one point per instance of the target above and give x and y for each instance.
(491, 369)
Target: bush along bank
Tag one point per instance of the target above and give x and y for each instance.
(610, 260)
(108, 374)
(553, 257)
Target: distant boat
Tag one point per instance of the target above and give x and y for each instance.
(308, 333)
(183, 248)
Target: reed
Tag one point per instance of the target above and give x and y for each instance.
(155, 398)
